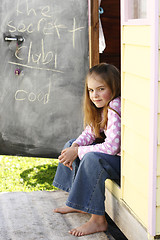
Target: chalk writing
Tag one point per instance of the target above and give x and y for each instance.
(34, 67)
(48, 29)
(42, 57)
(23, 95)
(45, 11)
(74, 31)
(28, 11)
(39, 55)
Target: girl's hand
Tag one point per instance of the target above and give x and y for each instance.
(74, 145)
(68, 156)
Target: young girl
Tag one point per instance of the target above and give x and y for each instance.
(85, 163)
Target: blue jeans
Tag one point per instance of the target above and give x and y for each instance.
(86, 182)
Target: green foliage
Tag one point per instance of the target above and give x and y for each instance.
(26, 174)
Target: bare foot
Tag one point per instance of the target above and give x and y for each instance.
(66, 209)
(94, 225)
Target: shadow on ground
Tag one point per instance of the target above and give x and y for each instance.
(114, 230)
(41, 175)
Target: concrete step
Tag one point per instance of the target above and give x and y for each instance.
(29, 216)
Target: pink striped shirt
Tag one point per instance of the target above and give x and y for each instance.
(112, 141)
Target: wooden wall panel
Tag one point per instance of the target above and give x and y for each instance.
(137, 35)
(134, 93)
(158, 221)
(136, 200)
(133, 147)
(158, 160)
(159, 96)
(134, 56)
(158, 128)
(158, 192)
(136, 118)
(136, 71)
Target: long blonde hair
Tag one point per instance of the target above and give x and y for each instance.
(93, 115)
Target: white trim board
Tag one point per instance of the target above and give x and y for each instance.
(124, 219)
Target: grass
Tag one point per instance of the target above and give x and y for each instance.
(26, 174)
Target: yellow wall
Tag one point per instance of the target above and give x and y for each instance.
(135, 68)
(158, 185)
(158, 151)
(158, 163)
(135, 127)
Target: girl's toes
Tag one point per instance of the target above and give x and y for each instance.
(78, 234)
(74, 232)
(81, 234)
(71, 231)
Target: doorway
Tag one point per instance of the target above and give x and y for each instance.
(110, 20)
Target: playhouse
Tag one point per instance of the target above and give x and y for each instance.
(134, 205)
(132, 43)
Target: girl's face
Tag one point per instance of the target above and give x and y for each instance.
(99, 92)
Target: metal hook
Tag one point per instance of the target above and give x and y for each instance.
(19, 39)
(101, 11)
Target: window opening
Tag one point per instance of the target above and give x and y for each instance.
(137, 9)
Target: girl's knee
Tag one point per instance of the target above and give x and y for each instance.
(91, 164)
(90, 158)
(90, 155)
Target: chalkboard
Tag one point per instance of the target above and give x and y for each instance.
(44, 60)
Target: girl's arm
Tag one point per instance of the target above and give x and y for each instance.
(87, 137)
(112, 142)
